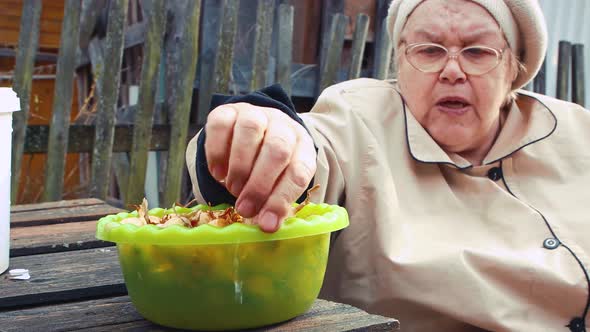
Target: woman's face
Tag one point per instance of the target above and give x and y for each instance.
(460, 111)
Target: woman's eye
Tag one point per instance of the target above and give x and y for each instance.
(431, 51)
(476, 52)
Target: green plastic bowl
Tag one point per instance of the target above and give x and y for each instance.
(230, 278)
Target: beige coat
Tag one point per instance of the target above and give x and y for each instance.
(437, 243)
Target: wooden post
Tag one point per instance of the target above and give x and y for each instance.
(23, 75)
(383, 58)
(156, 17)
(225, 48)
(358, 45)
(329, 73)
(181, 66)
(105, 120)
(382, 44)
(563, 69)
(540, 80)
(262, 42)
(62, 103)
(578, 72)
(209, 52)
(285, 47)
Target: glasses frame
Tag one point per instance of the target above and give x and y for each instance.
(455, 55)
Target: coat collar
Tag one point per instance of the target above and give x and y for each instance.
(528, 121)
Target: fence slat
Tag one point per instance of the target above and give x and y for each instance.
(105, 119)
(181, 67)
(285, 47)
(225, 48)
(262, 42)
(62, 103)
(329, 73)
(23, 75)
(563, 69)
(358, 45)
(578, 70)
(329, 9)
(155, 11)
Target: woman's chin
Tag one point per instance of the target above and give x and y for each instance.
(453, 141)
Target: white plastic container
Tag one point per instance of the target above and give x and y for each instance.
(9, 103)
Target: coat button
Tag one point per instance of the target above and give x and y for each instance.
(577, 325)
(495, 173)
(551, 243)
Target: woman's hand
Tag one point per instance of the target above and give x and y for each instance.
(263, 157)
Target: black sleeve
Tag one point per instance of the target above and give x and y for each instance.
(273, 96)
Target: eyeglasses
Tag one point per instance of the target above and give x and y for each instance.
(432, 58)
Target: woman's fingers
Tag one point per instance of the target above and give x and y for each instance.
(219, 128)
(266, 159)
(276, 151)
(249, 130)
(291, 184)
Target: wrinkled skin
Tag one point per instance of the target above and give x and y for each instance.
(456, 24)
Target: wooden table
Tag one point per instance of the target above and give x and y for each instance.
(76, 282)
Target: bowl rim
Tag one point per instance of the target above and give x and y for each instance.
(312, 219)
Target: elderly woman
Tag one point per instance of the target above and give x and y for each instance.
(467, 197)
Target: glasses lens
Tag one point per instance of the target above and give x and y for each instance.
(478, 60)
(427, 57)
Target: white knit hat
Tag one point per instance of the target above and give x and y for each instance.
(522, 22)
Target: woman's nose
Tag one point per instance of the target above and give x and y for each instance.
(452, 72)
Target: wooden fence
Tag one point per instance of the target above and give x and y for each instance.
(169, 37)
(170, 86)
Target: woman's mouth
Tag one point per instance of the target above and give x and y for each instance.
(453, 105)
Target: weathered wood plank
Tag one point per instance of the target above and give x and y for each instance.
(47, 239)
(118, 314)
(382, 45)
(207, 65)
(134, 35)
(64, 276)
(539, 83)
(358, 45)
(564, 59)
(62, 102)
(90, 11)
(104, 135)
(334, 51)
(285, 47)
(181, 67)
(55, 205)
(61, 215)
(142, 133)
(578, 72)
(120, 163)
(81, 138)
(262, 43)
(225, 48)
(25, 60)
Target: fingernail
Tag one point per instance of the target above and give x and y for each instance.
(247, 208)
(269, 222)
(236, 188)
